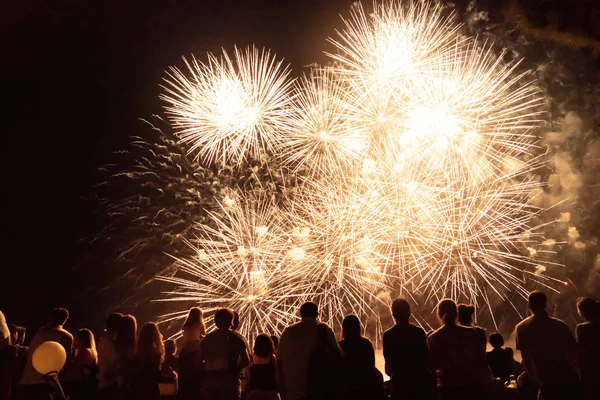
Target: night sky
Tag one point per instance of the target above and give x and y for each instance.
(75, 77)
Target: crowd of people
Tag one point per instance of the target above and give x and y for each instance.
(308, 363)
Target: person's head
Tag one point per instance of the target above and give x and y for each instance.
(465, 314)
(112, 324)
(150, 344)
(309, 310)
(59, 317)
(496, 340)
(263, 345)
(170, 346)
(401, 311)
(537, 302)
(84, 339)
(127, 333)
(586, 307)
(224, 319)
(236, 321)
(194, 322)
(351, 328)
(447, 311)
(275, 340)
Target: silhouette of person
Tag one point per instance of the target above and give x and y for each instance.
(107, 359)
(457, 357)
(548, 350)
(146, 368)
(296, 348)
(405, 352)
(363, 380)
(588, 346)
(262, 374)
(224, 353)
(126, 345)
(32, 383)
(465, 318)
(190, 366)
(499, 359)
(80, 375)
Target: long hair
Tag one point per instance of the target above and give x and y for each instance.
(85, 337)
(126, 334)
(150, 347)
(263, 345)
(194, 320)
(351, 328)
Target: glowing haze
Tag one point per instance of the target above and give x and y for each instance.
(414, 152)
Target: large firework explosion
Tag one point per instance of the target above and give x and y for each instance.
(417, 149)
(416, 170)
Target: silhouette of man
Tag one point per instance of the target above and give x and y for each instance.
(405, 353)
(296, 348)
(548, 350)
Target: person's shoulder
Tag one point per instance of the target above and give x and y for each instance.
(293, 327)
(239, 337)
(66, 333)
(86, 357)
(435, 334)
(417, 330)
(558, 323)
(524, 323)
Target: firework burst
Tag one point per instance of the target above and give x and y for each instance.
(229, 108)
(415, 153)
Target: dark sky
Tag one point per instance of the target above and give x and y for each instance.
(75, 76)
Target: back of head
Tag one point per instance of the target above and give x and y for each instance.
(85, 337)
(112, 322)
(224, 318)
(537, 302)
(401, 310)
(58, 317)
(309, 310)
(465, 314)
(447, 311)
(170, 346)
(150, 345)
(263, 345)
(194, 321)
(351, 328)
(587, 308)
(126, 333)
(496, 340)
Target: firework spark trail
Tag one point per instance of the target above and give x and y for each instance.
(323, 135)
(419, 150)
(229, 108)
(241, 263)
